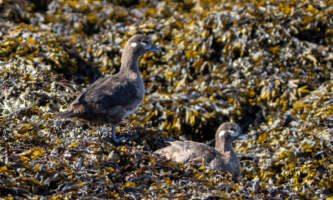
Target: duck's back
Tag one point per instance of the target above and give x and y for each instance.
(187, 151)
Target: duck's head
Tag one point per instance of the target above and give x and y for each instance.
(229, 131)
(140, 44)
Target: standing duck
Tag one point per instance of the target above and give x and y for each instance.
(112, 98)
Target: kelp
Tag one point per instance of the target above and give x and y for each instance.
(266, 65)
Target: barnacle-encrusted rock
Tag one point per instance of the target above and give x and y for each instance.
(267, 65)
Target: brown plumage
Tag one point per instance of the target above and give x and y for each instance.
(111, 98)
(220, 157)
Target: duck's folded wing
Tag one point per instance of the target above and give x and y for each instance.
(175, 151)
(200, 152)
(80, 105)
(187, 151)
(107, 97)
(102, 96)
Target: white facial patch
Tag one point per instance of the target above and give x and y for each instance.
(134, 44)
(222, 133)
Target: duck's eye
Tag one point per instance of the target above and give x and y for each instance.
(144, 43)
(234, 133)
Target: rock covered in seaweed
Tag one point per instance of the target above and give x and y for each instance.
(265, 64)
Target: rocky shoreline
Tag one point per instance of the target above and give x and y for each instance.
(266, 65)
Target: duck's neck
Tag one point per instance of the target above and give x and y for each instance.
(129, 62)
(224, 146)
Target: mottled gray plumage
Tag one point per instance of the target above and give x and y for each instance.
(220, 157)
(111, 98)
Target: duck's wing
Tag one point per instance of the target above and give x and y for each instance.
(79, 105)
(200, 152)
(187, 151)
(103, 95)
(176, 151)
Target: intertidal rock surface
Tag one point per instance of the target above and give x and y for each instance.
(266, 65)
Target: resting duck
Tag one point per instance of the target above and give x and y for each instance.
(220, 157)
